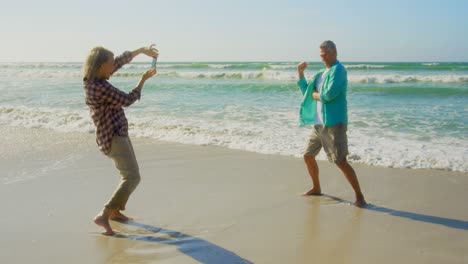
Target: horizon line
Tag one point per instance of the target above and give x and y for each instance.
(247, 61)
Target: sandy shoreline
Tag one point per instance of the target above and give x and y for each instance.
(205, 204)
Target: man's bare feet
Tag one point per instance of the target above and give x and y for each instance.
(119, 217)
(103, 221)
(313, 191)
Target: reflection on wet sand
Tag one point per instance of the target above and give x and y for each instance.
(325, 238)
(193, 247)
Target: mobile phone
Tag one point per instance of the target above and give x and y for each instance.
(155, 60)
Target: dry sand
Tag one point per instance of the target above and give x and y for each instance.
(204, 204)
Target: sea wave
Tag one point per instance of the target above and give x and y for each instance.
(273, 136)
(365, 66)
(264, 74)
(407, 78)
(40, 65)
(442, 91)
(239, 75)
(63, 120)
(396, 151)
(292, 76)
(397, 66)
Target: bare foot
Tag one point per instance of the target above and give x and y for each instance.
(104, 222)
(360, 202)
(119, 217)
(314, 191)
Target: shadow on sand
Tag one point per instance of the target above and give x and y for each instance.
(198, 249)
(448, 222)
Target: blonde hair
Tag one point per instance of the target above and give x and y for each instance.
(97, 56)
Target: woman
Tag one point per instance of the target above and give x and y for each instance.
(106, 104)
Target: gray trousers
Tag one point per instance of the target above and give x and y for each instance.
(125, 161)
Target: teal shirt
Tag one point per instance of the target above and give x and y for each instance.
(332, 96)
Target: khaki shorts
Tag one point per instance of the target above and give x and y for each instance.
(333, 139)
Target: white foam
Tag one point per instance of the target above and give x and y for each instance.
(274, 72)
(365, 66)
(407, 78)
(62, 120)
(395, 150)
(257, 130)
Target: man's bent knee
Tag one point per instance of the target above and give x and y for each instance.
(342, 163)
(309, 157)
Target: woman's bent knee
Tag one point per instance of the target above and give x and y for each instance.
(135, 179)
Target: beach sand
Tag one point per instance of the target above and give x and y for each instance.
(206, 204)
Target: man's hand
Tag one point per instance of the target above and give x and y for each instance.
(316, 96)
(300, 69)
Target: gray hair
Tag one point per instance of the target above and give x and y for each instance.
(97, 56)
(328, 44)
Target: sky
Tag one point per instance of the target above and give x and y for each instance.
(224, 30)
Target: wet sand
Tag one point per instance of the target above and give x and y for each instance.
(205, 204)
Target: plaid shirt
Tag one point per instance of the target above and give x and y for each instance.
(105, 105)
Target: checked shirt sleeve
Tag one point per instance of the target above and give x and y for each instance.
(121, 60)
(103, 93)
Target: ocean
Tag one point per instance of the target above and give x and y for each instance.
(403, 115)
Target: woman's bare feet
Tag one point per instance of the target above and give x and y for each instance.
(360, 201)
(101, 220)
(119, 217)
(313, 191)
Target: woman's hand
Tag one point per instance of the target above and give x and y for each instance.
(150, 51)
(148, 74)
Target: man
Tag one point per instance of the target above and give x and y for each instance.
(324, 105)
